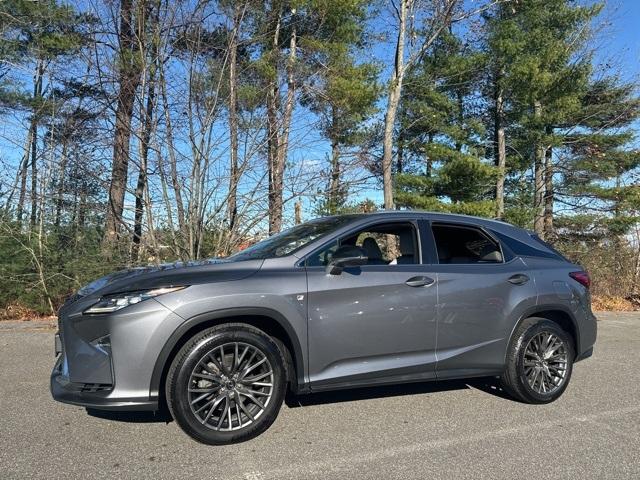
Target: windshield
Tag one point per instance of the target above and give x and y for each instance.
(289, 241)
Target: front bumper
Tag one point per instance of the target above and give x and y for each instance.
(92, 395)
(106, 361)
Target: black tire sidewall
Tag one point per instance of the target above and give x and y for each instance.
(523, 341)
(191, 355)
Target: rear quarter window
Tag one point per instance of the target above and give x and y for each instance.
(522, 249)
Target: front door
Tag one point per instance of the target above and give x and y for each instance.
(376, 322)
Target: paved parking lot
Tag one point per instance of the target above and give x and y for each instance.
(442, 430)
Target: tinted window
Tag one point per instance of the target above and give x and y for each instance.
(291, 240)
(464, 245)
(522, 249)
(383, 244)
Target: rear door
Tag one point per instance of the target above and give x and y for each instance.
(377, 322)
(480, 293)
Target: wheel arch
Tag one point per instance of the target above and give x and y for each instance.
(271, 322)
(559, 314)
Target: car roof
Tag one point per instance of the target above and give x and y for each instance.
(426, 214)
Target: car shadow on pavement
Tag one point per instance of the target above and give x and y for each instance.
(490, 385)
(160, 416)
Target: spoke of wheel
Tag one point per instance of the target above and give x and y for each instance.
(256, 393)
(204, 390)
(223, 413)
(205, 376)
(201, 397)
(239, 415)
(241, 358)
(213, 407)
(225, 370)
(234, 360)
(253, 399)
(257, 378)
(260, 384)
(248, 362)
(230, 425)
(535, 378)
(214, 360)
(215, 403)
(243, 408)
(253, 367)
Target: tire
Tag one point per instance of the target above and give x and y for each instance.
(539, 362)
(210, 378)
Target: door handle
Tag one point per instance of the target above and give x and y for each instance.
(420, 281)
(518, 279)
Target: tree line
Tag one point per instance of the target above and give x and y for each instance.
(144, 131)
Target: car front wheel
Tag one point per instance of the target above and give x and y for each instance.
(539, 361)
(226, 384)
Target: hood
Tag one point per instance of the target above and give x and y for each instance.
(171, 274)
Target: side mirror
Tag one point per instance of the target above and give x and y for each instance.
(346, 256)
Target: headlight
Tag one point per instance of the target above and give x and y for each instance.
(113, 303)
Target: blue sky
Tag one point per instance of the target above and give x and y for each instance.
(623, 34)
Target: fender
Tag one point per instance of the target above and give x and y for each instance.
(531, 312)
(227, 313)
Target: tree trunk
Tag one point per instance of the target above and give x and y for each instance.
(142, 174)
(128, 81)
(278, 142)
(37, 96)
(61, 178)
(548, 191)
(145, 138)
(428, 161)
(173, 161)
(500, 152)
(334, 184)
(298, 213)
(538, 173)
(23, 176)
(232, 201)
(393, 100)
(400, 156)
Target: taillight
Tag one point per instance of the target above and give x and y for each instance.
(581, 277)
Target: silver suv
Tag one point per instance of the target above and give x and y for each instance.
(337, 302)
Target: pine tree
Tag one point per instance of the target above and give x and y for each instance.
(546, 73)
(35, 35)
(343, 93)
(442, 153)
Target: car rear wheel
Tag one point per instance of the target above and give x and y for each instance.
(539, 361)
(226, 384)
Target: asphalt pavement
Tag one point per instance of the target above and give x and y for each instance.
(445, 430)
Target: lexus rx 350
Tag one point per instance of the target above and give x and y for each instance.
(337, 302)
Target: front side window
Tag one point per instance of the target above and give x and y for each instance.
(383, 244)
(465, 245)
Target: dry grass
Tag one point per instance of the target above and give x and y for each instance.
(19, 312)
(608, 303)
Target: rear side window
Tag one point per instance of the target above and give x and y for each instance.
(465, 245)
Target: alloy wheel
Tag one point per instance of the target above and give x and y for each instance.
(231, 386)
(545, 363)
